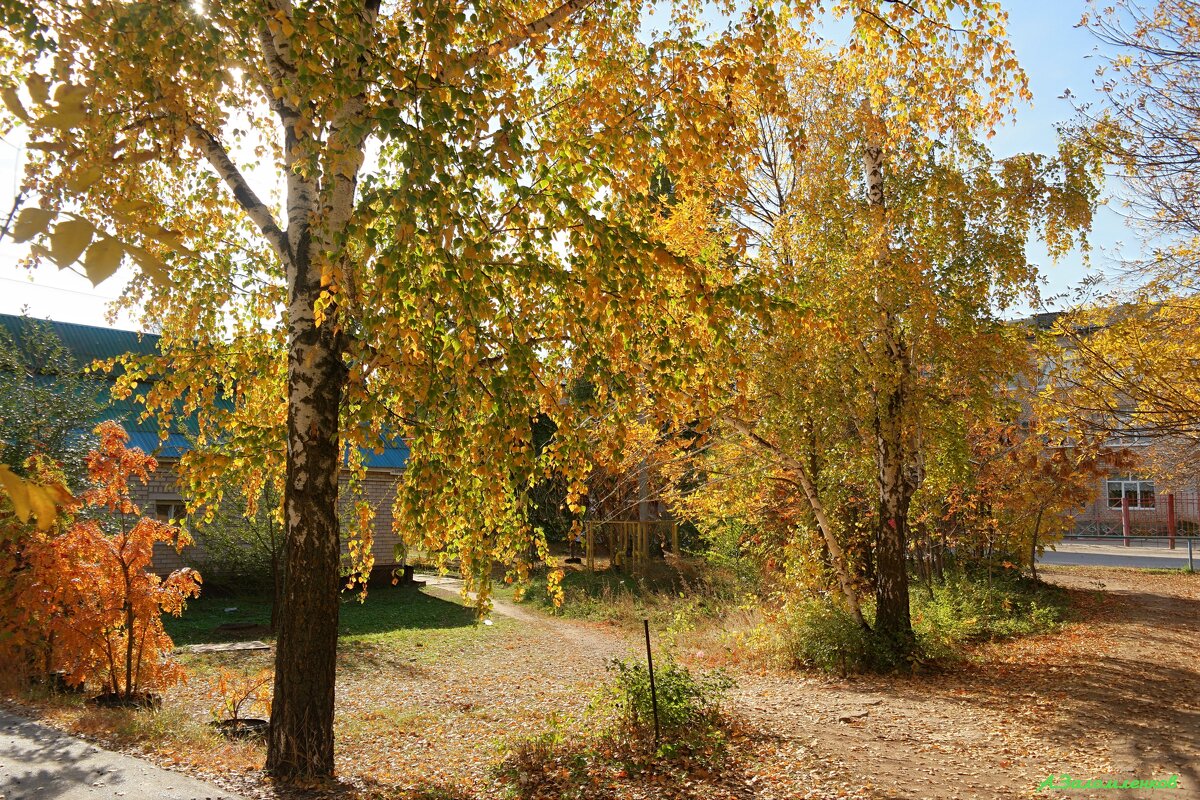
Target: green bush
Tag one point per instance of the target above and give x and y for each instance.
(820, 634)
(968, 609)
(947, 617)
(688, 704)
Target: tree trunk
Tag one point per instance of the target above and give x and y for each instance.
(892, 621)
(1033, 545)
(804, 481)
(300, 744)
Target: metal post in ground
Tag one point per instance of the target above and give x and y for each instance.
(1191, 564)
(653, 690)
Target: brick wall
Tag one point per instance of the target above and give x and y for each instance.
(161, 493)
(1099, 518)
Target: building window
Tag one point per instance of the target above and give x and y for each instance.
(170, 510)
(1140, 493)
(1128, 433)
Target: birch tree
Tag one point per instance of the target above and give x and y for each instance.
(885, 276)
(358, 221)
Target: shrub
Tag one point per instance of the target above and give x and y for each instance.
(239, 695)
(85, 600)
(688, 705)
(819, 633)
(967, 609)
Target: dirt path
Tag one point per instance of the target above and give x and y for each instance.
(1115, 695)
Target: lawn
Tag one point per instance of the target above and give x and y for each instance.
(393, 612)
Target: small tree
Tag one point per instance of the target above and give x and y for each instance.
(100, 605)
(240, 538)
(46, 400)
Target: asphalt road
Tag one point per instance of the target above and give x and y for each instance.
(1087, 554)
(39, 763)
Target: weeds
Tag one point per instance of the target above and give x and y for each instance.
(621, 746)
(816, 632)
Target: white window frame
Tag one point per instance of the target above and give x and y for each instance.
(1139, 491)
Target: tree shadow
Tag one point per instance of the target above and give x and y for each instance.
(398, 608)
(384, 610)
(1145, 700)
(42, 763)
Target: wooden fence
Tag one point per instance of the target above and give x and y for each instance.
(629, 543)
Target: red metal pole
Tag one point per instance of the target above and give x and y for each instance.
(1171, 520)
(1125, 519)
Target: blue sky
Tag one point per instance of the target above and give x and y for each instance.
(1055, 54)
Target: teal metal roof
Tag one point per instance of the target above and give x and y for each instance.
(88, 343)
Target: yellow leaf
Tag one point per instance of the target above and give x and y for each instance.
(140, 157)
(31, 222)
(61, 495)
(130, 208)
(18, 492)
(12, 101)
(39, 88)
(84, 178)
(103, 259)
(42, 504)
(64, 119)
(151, 266)
(70, 96)
(69, 240)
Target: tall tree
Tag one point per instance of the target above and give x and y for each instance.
(1134, 350)
(884, 292)
(360, 220)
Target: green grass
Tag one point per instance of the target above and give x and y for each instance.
(660, 594)
(947, 619)
(403, 614)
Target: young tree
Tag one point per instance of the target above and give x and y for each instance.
(111, 618)
(85, 598)
(47, 403)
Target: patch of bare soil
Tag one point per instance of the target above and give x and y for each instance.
(1116, 694)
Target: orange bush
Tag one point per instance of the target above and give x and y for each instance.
(86, 598)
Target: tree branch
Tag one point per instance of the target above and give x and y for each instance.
(527, 32)
(216, 155)
(837, 556)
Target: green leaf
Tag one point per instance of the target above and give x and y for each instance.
(31, 222)
(103, 259)
(69, 240)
